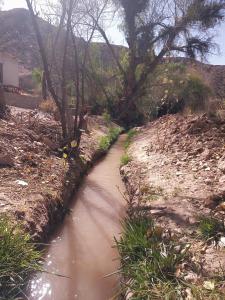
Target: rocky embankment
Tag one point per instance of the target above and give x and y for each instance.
(177, 175)
(36, 183)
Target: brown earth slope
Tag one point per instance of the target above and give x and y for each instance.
(35, 182)
(177, 173)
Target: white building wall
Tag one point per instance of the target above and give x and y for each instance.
(10, 70)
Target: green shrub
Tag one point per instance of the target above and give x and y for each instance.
(37, 75)
(104, 143)
(106, 117)
(18, 259)
(108, 139)
(125, 159)
(195, 93)
(114, 132)
(209, 227)
(130, 135)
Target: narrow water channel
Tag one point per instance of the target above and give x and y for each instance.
(82, 249)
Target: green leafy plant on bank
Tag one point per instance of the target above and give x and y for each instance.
(125, 159)
(130, 135)
(149, 264)
(18, 259)
(106, 141)
(107, 117)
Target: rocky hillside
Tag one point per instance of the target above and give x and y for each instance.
(213, 75)
(17, 38)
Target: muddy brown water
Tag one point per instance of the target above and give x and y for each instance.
(82, 249)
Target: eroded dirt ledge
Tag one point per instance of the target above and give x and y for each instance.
(35, 183)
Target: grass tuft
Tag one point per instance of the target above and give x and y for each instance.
(209, 227)
(125, 159)
(18, 259)
(130, 135)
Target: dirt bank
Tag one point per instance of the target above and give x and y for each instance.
(177, 174)
(35, 182)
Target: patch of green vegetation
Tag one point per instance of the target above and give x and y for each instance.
(149, 264)
(18, 259)
(114, 132)
(125, 159)
(106, 141)
(210, 227)
(195, 93)
(130, 135)
(106, 117)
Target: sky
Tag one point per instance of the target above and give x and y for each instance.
(117, 37)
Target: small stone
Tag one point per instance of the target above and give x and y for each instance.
(191, 277)
(22, 182)
(221, 243)
(221, 165)
(179, 173)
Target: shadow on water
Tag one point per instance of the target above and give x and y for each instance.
(82, 249)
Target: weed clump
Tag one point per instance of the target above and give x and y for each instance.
(125, 159)
(107, 117)
(149, 261)
(130, 135)
(18, 259)
(210, 227)
(106, 141)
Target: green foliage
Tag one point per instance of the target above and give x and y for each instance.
(174, 87)
(209, 227)
(106, 117)
(130, 135)
(18, 259)
(114, 132)
(103, 81)
(37, 76)
(148, 262)
(125, 159)
(106, 141)
(195, 93)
